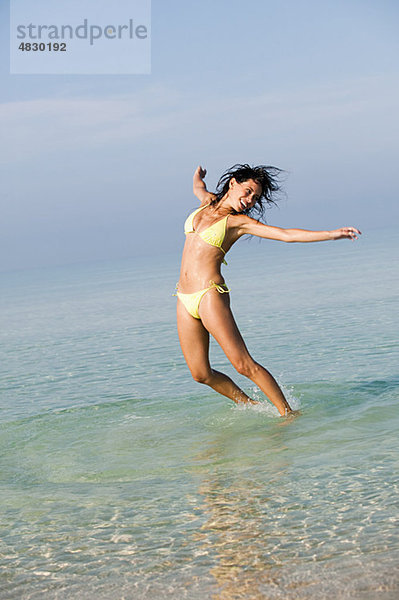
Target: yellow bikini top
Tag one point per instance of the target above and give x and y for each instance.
(213, 235)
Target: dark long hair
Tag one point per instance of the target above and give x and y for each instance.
(267, 177)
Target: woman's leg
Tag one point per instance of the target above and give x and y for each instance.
(218, 320)
(194, 341)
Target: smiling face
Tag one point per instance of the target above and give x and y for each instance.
(244, 196)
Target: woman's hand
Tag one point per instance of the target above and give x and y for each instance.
(345, 232)
(200, 172)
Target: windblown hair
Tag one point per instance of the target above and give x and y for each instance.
(266, 176)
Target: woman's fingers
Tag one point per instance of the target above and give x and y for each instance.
(201, 171)
(350, 232)
(353, 231)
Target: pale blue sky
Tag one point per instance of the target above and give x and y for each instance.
(98, 167)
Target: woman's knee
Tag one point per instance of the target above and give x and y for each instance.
(202, 375)
(246, 366)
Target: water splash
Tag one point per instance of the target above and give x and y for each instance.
(265, 407)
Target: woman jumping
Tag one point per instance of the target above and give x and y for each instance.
(203, 305)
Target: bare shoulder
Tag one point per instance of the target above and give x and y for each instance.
(246, 225)
(239, 221)
(207, 198)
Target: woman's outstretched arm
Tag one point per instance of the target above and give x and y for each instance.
(253, 227)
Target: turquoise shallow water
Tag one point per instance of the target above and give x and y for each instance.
(121, 477)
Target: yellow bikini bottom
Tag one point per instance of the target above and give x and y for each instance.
(192, 301)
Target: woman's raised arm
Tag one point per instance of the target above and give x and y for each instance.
(199, 186)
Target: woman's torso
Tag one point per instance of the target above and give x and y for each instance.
(202, 257)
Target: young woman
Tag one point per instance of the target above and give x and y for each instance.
(203, 305)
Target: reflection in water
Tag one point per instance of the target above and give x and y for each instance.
(284, 517)
(237, 503)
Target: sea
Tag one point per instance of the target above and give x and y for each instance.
(121, 477)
